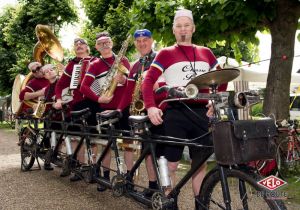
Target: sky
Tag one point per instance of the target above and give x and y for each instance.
(69, 32)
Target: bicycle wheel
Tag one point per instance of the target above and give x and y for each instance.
(288, 162)
(245, 193)
(27, 149)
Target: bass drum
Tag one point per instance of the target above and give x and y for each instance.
(16, 89)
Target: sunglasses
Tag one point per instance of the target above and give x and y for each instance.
(82, 41)
(36, 69)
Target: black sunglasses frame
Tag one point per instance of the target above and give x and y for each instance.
(36, 69)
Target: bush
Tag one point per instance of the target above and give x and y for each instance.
(256, 110)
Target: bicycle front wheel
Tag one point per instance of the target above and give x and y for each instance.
(27, 149)
(288, 160)
(245, 192)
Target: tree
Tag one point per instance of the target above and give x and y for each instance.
(19, 31)
(7, 55)
(114, 18)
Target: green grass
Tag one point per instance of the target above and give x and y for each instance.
(5, 125)
(292, 189)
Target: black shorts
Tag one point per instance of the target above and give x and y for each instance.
(181, 122)
(123, 124)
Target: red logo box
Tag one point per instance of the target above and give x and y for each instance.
(272, 182)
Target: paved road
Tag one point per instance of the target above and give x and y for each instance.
(40, 189)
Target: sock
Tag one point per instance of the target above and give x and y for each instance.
(153, 185)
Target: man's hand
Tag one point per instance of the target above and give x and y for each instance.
(120, 78)
(105, 99)
(58, 104)
(155, 115)
(210, 111)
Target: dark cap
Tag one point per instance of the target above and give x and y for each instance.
(142, 32)
(82, 41)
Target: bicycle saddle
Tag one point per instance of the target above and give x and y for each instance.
(109, 115)
(80, 112)
(138, 119)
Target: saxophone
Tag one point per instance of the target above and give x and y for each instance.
(137, 105)
(39, 109)
(110, 84)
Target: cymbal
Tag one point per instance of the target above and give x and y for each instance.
(215, 77)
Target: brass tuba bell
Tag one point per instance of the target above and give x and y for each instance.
(47, 44)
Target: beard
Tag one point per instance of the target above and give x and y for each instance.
(184, 38)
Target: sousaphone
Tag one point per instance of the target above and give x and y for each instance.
(47, 44)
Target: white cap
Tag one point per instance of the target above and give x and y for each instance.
(48, 66)
(183, 13)
(32, 64)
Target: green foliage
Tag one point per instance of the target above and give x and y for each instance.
(257, 109)
(7, 55)
(156, 16)
(18, 31)
(119, 29)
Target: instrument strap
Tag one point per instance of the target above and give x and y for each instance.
(106, 63)
(146, 62)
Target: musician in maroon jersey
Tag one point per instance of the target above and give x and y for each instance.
(81, 61)
(98, 71)
(180, 64)
(143, 42)
(35, 87)
(82, 54)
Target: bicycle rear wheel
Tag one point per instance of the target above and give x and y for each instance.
(245, 193)
(27, 143)
(288, 162)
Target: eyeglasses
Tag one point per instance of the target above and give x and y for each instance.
(104, 44)
(36, 69)
(82, 41)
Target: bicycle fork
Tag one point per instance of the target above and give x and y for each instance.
(226, 192)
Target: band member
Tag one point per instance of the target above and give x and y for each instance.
(35, 87)
(80, 62)
(51, 75)
(82, 52)
(179, 64)
(33, 90)
(143, 42)
(98, 70)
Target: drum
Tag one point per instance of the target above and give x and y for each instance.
(16, 89)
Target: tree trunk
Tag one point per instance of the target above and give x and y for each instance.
(283, 29)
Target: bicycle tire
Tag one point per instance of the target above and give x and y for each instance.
(211, 196)
(27, 149)
(287, 166)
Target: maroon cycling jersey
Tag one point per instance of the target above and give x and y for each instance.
(98, 69)
(65, 80)
(179, 64)
(50, 95)
(33, 85)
